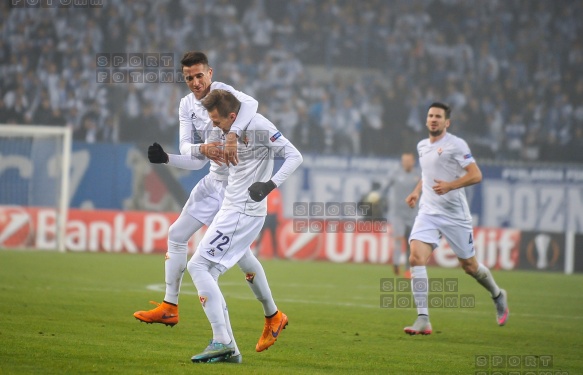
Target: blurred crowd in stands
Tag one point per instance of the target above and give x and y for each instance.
(348, 77)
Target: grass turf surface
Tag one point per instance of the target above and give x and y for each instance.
(72, 313)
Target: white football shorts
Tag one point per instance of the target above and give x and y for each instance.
(205, 199)
(459, 236)
(229, 237)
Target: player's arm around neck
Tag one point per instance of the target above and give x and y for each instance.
(248, 110)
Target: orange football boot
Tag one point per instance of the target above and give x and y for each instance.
(271, 330)
(164, 313)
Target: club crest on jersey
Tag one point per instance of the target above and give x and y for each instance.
(202, 300)
(211, 252)
(274, 137)
(250, 276)
(439, 151)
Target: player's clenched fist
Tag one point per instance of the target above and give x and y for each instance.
(259, 190)
(156, 154)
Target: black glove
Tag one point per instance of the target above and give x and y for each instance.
(156, 154)
(259, 190)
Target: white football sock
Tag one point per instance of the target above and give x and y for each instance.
(229, 329)
(420, 289)
(257, 281)
(484, 277)
(178, 235)
(205, 275)
(174, 270)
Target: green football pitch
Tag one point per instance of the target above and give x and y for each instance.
(72, 314)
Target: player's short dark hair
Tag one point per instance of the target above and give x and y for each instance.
(445, 107)
(194, 58)
(223, 101)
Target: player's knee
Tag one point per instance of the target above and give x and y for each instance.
(417, 259)
(195, 267)
(470, 269)
(174, 234)
(420, 253)
(191, 267)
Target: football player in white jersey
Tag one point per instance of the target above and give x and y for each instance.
(240, 218)
(206, 197)
(447, 166)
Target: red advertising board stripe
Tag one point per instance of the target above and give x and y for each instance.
(146, 232)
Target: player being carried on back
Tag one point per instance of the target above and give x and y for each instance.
(240, 219)
(206, 197)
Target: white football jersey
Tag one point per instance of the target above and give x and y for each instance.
(444, 160)
(258, 145)
(196, 126)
